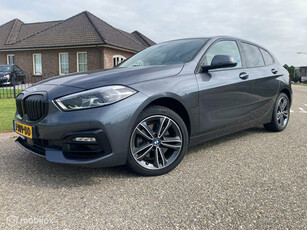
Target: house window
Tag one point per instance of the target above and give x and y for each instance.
(81, 62)
(63, 63)
(118, 59)
(10, 59)
(37, 64)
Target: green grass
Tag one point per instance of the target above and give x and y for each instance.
(7, 113)
(8, 93)
(296, 83)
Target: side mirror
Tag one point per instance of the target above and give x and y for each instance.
(220, 61)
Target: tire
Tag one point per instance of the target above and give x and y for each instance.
(280, 116)
(165, 137)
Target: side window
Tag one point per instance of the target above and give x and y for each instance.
(63, 63)
(17, 68)
(82, 62)
(224, 48)
(37, 64)
(267, 57)
(10, 59)
(253, 57)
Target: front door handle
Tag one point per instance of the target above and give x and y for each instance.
(243, 76)
(274, 71)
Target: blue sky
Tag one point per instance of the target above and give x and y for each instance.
(280, 26)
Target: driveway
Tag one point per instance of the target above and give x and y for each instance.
(250, 180)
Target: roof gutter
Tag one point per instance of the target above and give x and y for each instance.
(70, 47)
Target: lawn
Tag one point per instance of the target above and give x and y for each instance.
(8, 93)
(304, 84)
(7, 113)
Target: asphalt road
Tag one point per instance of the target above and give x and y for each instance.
(250, 180)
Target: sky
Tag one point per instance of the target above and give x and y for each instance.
(278, 25)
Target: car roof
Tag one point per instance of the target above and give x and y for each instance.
(221, 37)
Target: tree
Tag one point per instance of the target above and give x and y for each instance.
(293, 73)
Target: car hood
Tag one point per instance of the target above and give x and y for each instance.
(122, 76)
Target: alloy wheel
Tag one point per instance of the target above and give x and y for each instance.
(156, 142)
(282, 112)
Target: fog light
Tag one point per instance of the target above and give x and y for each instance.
(85, 139)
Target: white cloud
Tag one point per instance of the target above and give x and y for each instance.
(281, 26)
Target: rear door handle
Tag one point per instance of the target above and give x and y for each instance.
(243, 76)
(274, 71)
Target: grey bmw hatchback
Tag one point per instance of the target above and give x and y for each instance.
(147, 111)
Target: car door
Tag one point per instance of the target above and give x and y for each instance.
(263, 73)
(224, 94)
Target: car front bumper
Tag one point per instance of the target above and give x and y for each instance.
(5, 82)
(111, 126)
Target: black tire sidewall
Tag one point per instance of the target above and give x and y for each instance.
(159, 110)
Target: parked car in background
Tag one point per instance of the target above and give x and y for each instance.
(8, 72)
(147, 111)
(303, 79)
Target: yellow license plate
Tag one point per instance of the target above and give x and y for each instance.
(24, 130)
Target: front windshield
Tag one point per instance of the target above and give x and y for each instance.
(168, 53)
(5, 68)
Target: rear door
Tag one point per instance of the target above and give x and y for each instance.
(263, 73)
(224, 94)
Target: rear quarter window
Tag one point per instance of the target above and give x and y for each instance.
(253, 57)
(267, 57)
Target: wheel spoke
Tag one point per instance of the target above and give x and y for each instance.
(172, 142)
(156, 161)
(161, 125)
(162, 156)
(140, 149)
(283, 104)
(278, 115)
(141, 157)
(148, 130)
(143, 134)
(282, 120)
(163, 128)
(285, 113)
(279, 106)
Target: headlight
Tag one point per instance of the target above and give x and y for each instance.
(94, 97)
(6, 77)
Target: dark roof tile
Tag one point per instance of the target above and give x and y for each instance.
(143, 39)
(5, 31)
(79, 30)
(32, 28)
